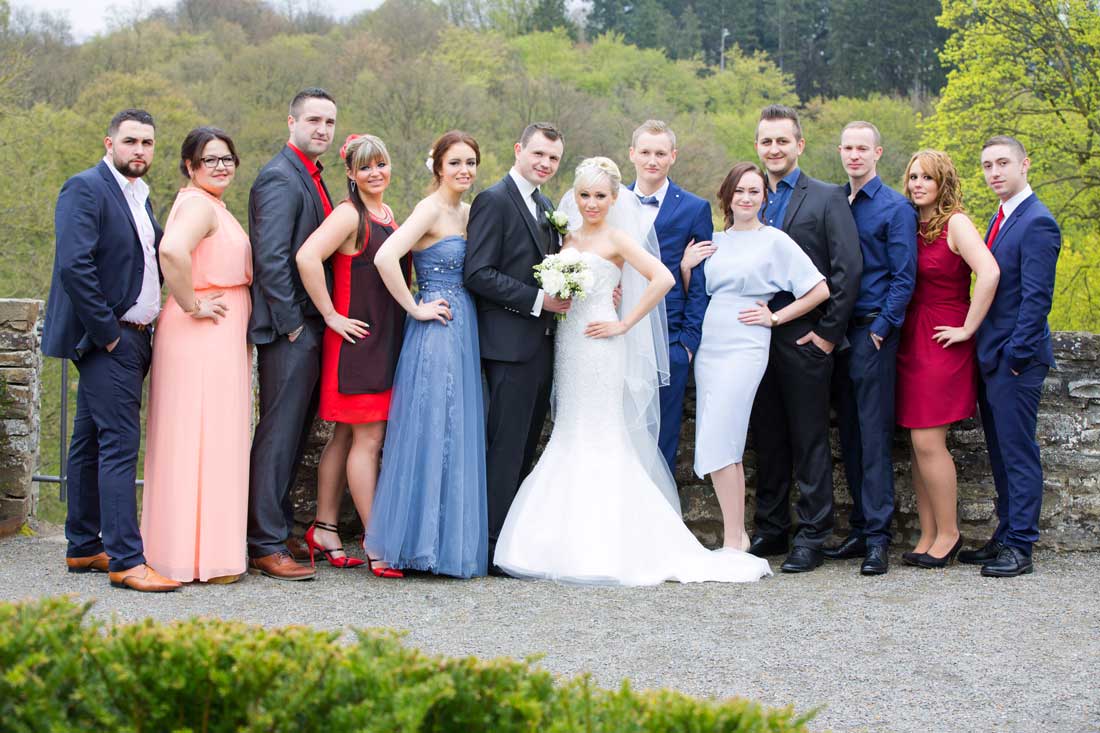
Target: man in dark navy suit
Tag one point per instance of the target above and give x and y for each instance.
(1014, 355)
(104, 297)
(680, 219)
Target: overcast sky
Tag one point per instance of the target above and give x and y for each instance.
(88, 17)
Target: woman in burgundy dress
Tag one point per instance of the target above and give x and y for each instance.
(362, 342)
(936, 364)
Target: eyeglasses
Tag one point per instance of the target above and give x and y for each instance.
(212, 161)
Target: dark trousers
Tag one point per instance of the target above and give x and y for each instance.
(790, 427)
(519, 396)
(863, 394)
(672, 403)
(102, 511)
(289, 392)
(1010, 410)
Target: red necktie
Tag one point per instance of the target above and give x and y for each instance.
(995, 228)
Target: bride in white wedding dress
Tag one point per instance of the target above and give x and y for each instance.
(600, 506)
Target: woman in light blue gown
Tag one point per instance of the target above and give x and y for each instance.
(430, 511)
(751, 263)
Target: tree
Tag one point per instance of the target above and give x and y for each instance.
(1031, 69)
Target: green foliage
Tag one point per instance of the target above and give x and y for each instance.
(1031, 69)
(62, 670)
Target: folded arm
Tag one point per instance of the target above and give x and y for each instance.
(484, 252)
(273, 212)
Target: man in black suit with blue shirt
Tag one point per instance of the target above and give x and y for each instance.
(104, 298)
(680, 220)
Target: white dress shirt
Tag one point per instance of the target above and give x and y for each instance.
(136, 193)
(526, 188)
(1014, 203)
(651, 212)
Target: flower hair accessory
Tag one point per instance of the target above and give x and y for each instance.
(430, 162)
(344, 147)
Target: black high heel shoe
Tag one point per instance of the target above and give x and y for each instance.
(929, 561)
(912, 558)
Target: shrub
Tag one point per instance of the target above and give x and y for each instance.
(62, 670)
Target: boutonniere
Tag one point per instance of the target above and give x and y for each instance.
(559, 221)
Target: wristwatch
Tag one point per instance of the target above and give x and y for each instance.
(775, 319)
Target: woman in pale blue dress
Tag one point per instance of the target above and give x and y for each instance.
(751, 263)
(429, 510)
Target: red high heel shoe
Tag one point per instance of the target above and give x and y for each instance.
(336, 562)
(386, 572)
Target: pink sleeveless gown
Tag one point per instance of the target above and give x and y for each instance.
(195, 504)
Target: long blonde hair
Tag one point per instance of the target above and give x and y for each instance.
(948, 190)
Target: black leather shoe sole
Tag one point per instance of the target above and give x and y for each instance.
(992, 571)
(768, 547)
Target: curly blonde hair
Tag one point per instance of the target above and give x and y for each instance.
(949, 195)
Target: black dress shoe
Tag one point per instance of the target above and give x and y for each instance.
(986, 553)
(852, 546)
(876, 561)
(1010, 562)
(802, 560)
(768, 546)
(928, 561)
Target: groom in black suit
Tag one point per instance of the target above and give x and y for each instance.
(790, 417)
(508, 234)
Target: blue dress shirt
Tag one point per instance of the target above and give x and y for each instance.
(773, 213)
(887, 225)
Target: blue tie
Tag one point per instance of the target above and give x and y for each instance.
(648, 201)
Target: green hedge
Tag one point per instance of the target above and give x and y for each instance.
(61, 670)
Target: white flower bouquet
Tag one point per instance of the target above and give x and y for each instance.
(564, 275)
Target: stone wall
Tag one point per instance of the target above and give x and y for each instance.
(20, 367)
(1069, 436)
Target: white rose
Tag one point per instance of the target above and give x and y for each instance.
(559, 220)
(552, 282)
(569, 257)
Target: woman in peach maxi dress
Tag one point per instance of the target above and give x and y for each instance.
(195, 504)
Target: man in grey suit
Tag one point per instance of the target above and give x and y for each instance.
(288, 201)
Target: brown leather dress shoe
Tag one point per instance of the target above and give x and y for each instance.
(298, 549)
(279, 565)
(91, 564)
(143, 578)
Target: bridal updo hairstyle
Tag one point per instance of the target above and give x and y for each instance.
(593, 170)
(360, 151)
(445, 143)
(725, 191)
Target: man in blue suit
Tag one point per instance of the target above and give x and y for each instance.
(104, 297)
(1014, 356)
(679, 219)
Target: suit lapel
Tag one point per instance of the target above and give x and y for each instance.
(673, 197)
(798, 195)
(1010, 221)
(307, 181)
(120, 198)
(525, 214)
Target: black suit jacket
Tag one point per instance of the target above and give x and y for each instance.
(284, 208)
(504, 243)
(819, 219)
(98, 264)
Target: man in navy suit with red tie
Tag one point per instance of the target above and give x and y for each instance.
(104, 297)
(1014, 356)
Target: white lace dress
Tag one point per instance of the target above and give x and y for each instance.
(589, 512)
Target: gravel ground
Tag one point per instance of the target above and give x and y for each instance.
(921, 651)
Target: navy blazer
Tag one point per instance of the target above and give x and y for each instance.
(98, 264)
(284, 208)
(1026, 250)
(683, 218)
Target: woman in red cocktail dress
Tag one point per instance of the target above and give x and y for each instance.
(937, 367)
